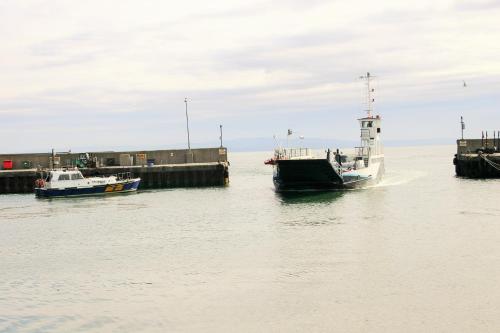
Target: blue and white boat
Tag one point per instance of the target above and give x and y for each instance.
(71, 183)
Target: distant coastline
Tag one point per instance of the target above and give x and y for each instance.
(242, 145)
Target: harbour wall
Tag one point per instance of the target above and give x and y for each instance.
(477, 158)
(465, 146)
(209, 167)
(111, 158)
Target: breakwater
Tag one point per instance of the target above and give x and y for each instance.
(157, 169)
(477, 158)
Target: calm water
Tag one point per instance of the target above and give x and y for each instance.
(419, 252)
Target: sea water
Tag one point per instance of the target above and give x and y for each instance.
(418, 252)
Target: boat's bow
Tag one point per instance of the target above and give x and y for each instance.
(312, 174)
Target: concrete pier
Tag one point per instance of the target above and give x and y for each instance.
(477, 158)
(210, 168)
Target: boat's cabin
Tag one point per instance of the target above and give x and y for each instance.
(55, 176)
(370, 136)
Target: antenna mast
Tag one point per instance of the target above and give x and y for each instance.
(369, 94)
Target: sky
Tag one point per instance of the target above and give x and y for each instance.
(105, 74)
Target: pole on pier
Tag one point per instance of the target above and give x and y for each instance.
(220, 135)
(462, 126)
(289, 132)
(187, 122)
(53, 158)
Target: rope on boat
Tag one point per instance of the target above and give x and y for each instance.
(493, 164)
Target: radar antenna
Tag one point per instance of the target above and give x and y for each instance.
(369, 93)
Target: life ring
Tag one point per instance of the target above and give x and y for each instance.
(39, 183)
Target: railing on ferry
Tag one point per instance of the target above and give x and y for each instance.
(363, 151)
(288, 153)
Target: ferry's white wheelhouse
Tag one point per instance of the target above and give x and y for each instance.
(369, 157)
(371, 144)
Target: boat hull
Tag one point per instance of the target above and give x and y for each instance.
(309, 175)
(119, 187)
(306, 175)
(365, 177)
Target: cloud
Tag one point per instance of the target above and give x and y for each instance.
(253, 65)
(476, 5)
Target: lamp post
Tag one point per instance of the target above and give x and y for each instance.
(220, 135)
(187, 122)
(287, 136)
(462, 125)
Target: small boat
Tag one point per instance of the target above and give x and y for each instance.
(71, 183)
(299, 170)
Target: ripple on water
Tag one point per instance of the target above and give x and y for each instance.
(245, 257)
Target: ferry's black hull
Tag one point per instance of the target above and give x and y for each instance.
(306, 175)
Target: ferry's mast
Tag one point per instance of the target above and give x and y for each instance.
(369, 94)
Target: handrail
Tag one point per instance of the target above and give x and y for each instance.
(360, 151)
(124, 175)
(292, 152)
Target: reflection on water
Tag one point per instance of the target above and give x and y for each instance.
(305, 220)
(416, 253)
(309, 197)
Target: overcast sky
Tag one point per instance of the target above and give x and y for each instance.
(110, 74)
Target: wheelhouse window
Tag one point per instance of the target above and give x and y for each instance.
(64, 176)
(76, 176)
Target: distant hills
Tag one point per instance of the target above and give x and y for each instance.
(249, 144)
(264, 144)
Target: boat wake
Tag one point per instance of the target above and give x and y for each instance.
(394, 179)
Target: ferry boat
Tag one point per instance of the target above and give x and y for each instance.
(298, 169)
(71, 183)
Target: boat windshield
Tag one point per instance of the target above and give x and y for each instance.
(56, 176)
(64, 176)
(76, 176)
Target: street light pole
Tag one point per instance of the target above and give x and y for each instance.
(220, 136)
(462, 126)
(187, 122)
